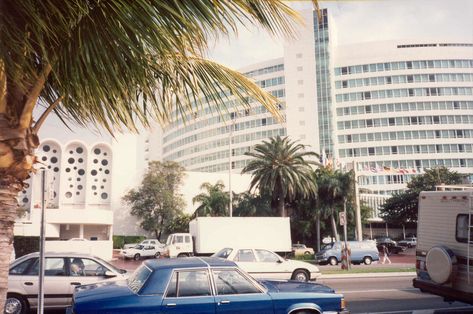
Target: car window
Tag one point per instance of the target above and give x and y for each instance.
(149, 248)
(86, 267)
(188, 239)
(245, 256)
(223, 253)
(266, 256)
(139, 247)
(20, 268)
(232, 282)
(138, 278)
(192, 283)
(178, 239)
(54, 266)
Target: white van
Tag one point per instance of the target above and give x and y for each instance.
(444, 254)
(361, 252)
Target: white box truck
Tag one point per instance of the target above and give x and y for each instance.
(444, 257)
(208, 235)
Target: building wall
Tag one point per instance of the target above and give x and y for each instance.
(200, 142)
(401, 109)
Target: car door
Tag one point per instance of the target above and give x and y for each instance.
(237, 293)
(189, 292)
(148, 251)
(91, 271)
(56, 285)
(272, 266)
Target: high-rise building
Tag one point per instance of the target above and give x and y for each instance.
(395, 108)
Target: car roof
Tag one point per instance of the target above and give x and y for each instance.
(54, 254)
(188, 262)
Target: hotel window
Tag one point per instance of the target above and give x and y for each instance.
(409, 64)
(392, 121)
(344, 84)
(367, 109)
(369, 122)
(371, 151)
(263, 121)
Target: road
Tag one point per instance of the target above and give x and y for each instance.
(390, 295)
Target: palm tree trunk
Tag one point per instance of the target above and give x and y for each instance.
(281, 209)
(334, 227)
(16, 163)
(317, 230)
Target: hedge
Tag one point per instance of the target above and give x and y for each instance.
(119, 240)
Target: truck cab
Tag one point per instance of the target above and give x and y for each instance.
(179, 245)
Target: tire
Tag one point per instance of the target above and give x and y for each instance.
(300, 275)
(157, 255)
(307, 312)
(16, 304)
(136, 257)
(182, 255)
(333, 261)
(367, 260)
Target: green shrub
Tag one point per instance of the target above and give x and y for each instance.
(25, 245)
(304, 257)
(119, 240)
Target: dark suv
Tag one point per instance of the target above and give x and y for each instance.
(390, 244)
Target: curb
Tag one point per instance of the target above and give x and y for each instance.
(368, 275)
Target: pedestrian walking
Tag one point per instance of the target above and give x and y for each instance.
(385, 251)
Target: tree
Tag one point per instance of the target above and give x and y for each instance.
(213, 202)
(333, 189)
(179, 224)
(279, 168)
(111, 63)
(402, 207)
(156, 202)
(252, 205)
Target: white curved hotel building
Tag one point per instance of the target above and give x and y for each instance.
(394, 108)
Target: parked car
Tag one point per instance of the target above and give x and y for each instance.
(361, 252)
(392, 247)
(203, 285)
(266, 264)
(409, 242)
(302, 249)
(59, 280)
(154, 242)
(141, 251)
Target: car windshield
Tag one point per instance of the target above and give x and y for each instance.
(169, 240)
(223, 253)
(110, 266)
(327, 246)
(138, 278)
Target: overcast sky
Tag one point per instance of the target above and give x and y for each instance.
(360, 21)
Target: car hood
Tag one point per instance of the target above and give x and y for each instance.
(276, 286)
(102, 290)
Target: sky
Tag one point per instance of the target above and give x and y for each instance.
(360, 21)
(355, 21)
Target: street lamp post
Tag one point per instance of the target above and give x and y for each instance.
(359, 232)
(232, 126)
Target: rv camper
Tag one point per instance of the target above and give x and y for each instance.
(444, 254)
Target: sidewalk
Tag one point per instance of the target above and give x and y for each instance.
(368, 275)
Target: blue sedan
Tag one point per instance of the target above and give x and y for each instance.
(203, 286)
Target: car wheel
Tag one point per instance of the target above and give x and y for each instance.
(367, 260)
(307, 253)
(182, 255)
(333, 261)
(136, 257)
(157, 255)
(300, 275)
(16, 304)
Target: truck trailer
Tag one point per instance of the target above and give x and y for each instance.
(208, 235)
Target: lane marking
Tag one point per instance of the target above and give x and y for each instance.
(379, 290)
(426, 311)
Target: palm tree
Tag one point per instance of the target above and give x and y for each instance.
(334, 187)
(279, 169)
(213, 202)
(112, 63)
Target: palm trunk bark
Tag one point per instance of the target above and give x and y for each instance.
(334, 227)
(16, 163)
(281, 208)
(317, 230)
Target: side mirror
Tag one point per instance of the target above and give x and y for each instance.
(110, 274)
(279, 261)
